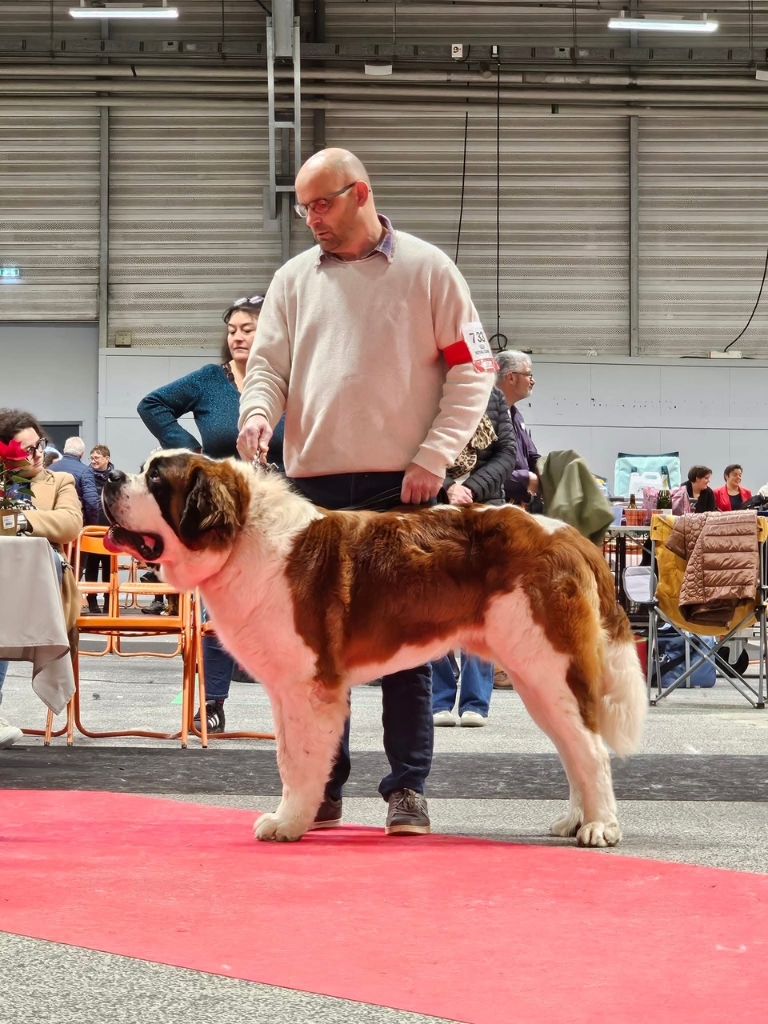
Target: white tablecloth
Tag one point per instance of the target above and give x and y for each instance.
(32, 625)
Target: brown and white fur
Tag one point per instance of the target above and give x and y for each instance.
(312, 602)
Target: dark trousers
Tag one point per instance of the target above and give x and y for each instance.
(406, 696)
(92, 565)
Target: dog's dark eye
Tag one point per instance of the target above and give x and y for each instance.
(153, 473)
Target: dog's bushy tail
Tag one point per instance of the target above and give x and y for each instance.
(624, 702)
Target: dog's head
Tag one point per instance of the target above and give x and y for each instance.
(182, 511)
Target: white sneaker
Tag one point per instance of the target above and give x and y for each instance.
(9, 734)
(473, 719)
(443, 718)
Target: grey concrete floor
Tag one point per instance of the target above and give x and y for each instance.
(692, 740)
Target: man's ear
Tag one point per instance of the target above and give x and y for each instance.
(214, 510)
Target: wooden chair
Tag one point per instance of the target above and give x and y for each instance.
(201, 630)
(124, 619)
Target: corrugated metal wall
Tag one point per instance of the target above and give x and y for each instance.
(187, 229)
(564, 215)
(703, 233)
(186, 225)
(49, 213)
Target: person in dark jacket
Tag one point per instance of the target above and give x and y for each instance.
(212, 395)
(516, 381)
(99, 470)
(72, 462)
(478, 475)
(695, 495)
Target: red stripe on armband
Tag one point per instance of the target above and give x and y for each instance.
(457, 353)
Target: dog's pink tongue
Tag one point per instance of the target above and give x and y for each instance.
(110, 543)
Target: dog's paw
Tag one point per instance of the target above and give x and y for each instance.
(271, 827)
(599, 833)
(567, 825)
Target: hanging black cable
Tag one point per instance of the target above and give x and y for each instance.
(463, 183)
(500, 339)
(754, 310)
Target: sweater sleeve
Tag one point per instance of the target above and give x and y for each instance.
(265, 388)
(160, 411)
(64, 520)
(487, 481)
(465, 390)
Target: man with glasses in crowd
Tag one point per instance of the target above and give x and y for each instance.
(371, 344)
(515, 379)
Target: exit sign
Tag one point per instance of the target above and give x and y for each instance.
(10, 273)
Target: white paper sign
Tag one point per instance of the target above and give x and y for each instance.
(479, 347)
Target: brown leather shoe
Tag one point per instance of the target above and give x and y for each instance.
(328, 815)
(407, 814)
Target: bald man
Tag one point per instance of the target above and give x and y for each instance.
(370, 344)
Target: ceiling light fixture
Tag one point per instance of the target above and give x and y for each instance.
(662, 23)
(103, 10)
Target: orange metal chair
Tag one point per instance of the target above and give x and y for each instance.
(124, 619)
(201, 630)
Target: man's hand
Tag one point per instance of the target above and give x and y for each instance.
(458, 494)
(253, 439)
(533, 483)
(419, 485)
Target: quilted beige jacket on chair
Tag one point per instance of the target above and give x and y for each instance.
(721, 554)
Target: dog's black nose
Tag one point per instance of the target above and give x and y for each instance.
(116, 476)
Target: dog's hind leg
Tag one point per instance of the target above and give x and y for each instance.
(591, 814)
(558, 676)
(308, 731)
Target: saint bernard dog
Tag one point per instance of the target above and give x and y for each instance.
(312, 602)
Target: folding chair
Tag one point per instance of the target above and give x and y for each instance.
(204, 629)
(124, 619)
(667, 571)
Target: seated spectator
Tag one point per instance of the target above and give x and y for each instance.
(478, 475)
(55, 514)
(732, 496)
(695, 495)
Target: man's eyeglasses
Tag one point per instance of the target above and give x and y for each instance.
(524, 373)
(321, 205)
(36, 449)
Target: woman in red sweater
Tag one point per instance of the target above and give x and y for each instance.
(733, 496)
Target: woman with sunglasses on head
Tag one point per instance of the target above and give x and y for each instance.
(212, 395)
(56, 514)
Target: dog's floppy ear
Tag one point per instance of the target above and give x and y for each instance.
(214, 510)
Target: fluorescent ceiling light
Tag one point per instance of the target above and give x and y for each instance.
(123, 11)
(660, 23)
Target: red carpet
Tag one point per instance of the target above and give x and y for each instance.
(468, 930)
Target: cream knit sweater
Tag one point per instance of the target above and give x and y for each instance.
(351, 351)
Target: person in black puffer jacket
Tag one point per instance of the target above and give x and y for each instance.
(99, 470)
(478, 475)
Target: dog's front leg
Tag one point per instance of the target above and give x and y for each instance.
(308, 730)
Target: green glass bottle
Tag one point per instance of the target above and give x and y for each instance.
(664, 500)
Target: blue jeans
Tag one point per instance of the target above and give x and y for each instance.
(476, 684)
(218, 665)
(406, 696)
(3, 673)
